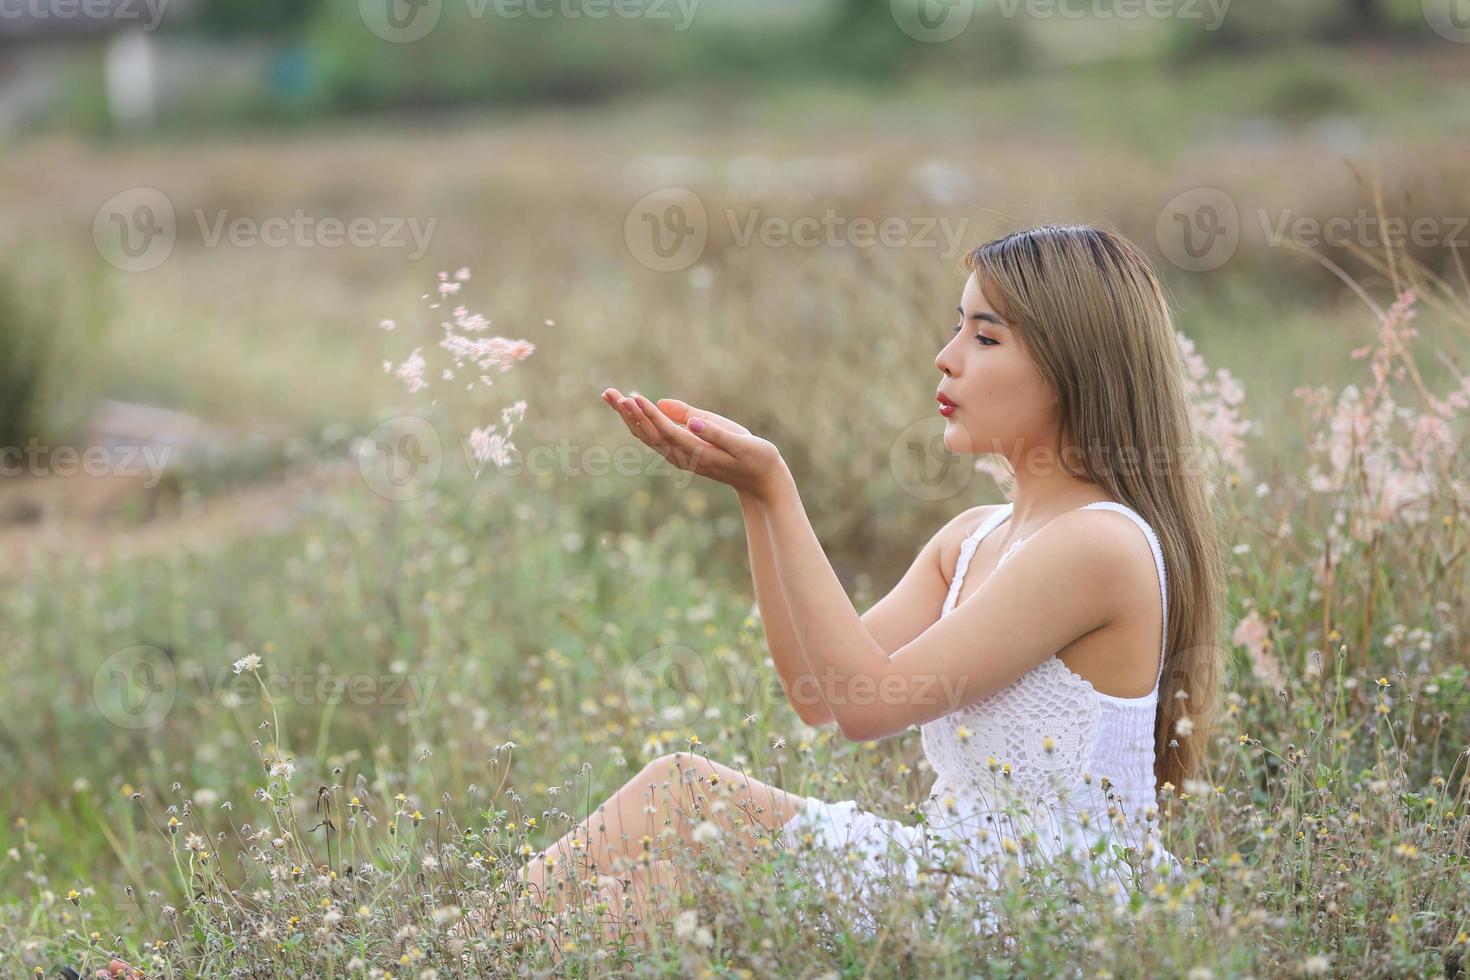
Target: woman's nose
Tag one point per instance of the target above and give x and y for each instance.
(941, 360)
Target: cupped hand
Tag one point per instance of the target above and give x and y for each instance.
(700, 441)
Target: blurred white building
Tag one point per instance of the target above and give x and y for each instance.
(52, 50)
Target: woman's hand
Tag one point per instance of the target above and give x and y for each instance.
(701, 442)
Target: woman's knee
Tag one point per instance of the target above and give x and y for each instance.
(670, 768)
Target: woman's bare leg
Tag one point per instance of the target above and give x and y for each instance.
(660, 807)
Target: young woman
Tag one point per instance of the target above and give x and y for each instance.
(1056, 651)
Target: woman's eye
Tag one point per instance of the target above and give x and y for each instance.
(984, 340)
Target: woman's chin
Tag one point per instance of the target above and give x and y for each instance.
(956, 439)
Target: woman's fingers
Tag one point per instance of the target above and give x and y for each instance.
(616, 399)
(683, 413)
(677, 438)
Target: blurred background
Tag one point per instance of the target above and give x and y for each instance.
(226, 226)
(210, 205)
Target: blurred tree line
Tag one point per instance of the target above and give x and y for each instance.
(505, 52)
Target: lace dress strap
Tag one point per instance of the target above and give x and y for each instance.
(967, 551)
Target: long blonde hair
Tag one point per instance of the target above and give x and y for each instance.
(1091, 313)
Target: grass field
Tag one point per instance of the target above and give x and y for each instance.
(598, 614)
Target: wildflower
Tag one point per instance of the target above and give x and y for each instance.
(962, 733)
(74, 897)
(1253, 634)
(706, 832)
(250, 663)
(411, 371)
(1048, 745)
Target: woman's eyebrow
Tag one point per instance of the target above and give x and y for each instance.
(987, 317)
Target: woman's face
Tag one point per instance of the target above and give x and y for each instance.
(1001, 402)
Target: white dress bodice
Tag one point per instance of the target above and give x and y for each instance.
(1049, 741)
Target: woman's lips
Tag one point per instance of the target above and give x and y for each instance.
(946, 410)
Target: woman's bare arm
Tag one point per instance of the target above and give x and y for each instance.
(791, 662)
(911, 607)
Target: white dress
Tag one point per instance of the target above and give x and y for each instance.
(1046, 764)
